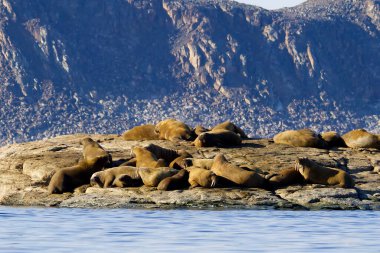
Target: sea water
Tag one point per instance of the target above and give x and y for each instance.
(144, 230)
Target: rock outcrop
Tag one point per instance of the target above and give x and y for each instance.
(27, 167)
(69, 66)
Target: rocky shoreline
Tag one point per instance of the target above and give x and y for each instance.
(26, 169)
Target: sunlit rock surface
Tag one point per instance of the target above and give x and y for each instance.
(26, 169)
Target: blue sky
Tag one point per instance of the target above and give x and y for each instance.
(272, 4)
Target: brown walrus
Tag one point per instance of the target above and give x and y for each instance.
(178, 163)
(317, 174)
(125, 180)
(176, 182)
(106, 178)
(217, 138)
(140, 133)
(169, 155)
(202, 177)
(221, 167)
(173, 130)
(300, 138)
(94, 153)
(153, 176)
(229, 126)
(284, 178)
(360, 138)
(95, 158)
(333, 139)
(129, 162)
(199, 163)
(145, 158)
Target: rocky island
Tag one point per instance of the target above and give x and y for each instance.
(26, 169)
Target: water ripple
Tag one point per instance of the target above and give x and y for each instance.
(112, 230)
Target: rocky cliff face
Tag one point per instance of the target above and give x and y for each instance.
(104, 66)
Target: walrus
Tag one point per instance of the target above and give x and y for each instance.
(153, 176)
(202, 177)
(178, 163)
(228, 125)
(360, 138)
(200, 129)
(196, 162)
(176, 182)
(217, 138)
(169, 155)
(317, 174)
(284, 178)
(333, 139)
(125, 180)
(145, 158)
(94, 153)
(129, 162)
(173, 130)
(95, 158)
(106, 178)
(221, 167)
(300, 138)
(141, 133)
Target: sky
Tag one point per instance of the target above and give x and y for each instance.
(272, 4)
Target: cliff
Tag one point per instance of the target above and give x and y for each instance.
(105, 66)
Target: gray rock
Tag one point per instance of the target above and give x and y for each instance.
(26, 170)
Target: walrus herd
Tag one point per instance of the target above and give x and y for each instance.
(169, 169)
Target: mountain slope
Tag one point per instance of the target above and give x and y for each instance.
(104, 66)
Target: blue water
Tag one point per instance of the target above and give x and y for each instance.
(131, 230)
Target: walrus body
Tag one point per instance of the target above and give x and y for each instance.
(107, 177)
(229, 126)
(202, 177)
(317, 174)
(200, 129)
(95, 158)
(67, 179)
(169, 155)
(173, 130)
(173, 157)
(140, 133)
(178, 163)
(153, 176)
(126, 180)
(221, 167)
(284, 178)
(199, 163)
(145, 158)
(333, 139)
(175, 182)
(360, 138)
(300, 138)
(217, 138)
(129, 162)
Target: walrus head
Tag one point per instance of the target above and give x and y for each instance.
(214, 180)
(86, 140)
(201, 140)
(220, 158)
(300, 163)
(96, 180)
(187, 162)
(135, 150)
